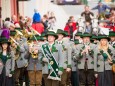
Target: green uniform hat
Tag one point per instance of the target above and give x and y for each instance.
(76, 41)
(4, 40)
(103, 37)
(78, 34)
(66, 33)
(40, 38)
(52, 34)
(86, 35)
(19, 29)
(12, 33)
(111, 33)
(94, 37)
(59, 31)
(43, 34)
(34, 38)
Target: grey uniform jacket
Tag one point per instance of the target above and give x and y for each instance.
(67, 53)
(73, 60)
(82, 58)
(21, 61)
(10, 64)
(99, 63)
(34, 63)
(58, 55)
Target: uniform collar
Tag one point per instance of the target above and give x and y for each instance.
(51, 44)
(60, 42)
(86, 43)
(112, 42)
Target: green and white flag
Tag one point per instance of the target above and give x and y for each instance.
(52, 62)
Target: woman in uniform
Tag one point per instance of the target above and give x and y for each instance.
(104, 55)
(6, 63)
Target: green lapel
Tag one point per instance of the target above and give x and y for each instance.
(54, 48)
(8, 56)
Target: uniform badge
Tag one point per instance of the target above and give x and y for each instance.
(51, 62)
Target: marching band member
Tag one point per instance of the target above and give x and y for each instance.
(112, 43)
(19, 45)
(34, 67)
(94, 39)
(74, 73)
(103, 56)
(7, 63)
(84, 55)
(78, 37)
(52, 60)
(67, 56)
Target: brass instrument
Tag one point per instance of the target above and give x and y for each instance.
(12, 40)
(27, 34)
(34, 56)
(30, 34)
(18, 34)
(32, 51)
(13, 48)
(113, 68)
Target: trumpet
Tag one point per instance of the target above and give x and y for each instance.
(12, 40)
(33, 49)
(13, 48)
(18, 34)
(28, 34)
(34, 56)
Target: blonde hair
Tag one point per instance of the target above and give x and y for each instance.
(100, 47)
(105, 49)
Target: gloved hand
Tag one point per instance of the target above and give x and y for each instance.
(60, 73)
(10, 75)
(45, 60)
(68, 69)
(96, 75)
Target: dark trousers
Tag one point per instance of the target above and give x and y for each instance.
(86, 78)
(24, 77)
(105, 78)
(20, 76)
(74, 78)
(8, 81)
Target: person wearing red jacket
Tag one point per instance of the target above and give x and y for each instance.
(70, 28)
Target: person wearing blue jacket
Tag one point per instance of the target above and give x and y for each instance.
(101, 7)
(36, 17)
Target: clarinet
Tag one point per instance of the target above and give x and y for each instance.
(86, 71)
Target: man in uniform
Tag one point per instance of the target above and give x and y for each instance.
(78, 37)
(34, 67)
(21, 62)
(112, 43)
(74, 73)
(94, 39)
(52, 60)
(84, 55)
(67, 56)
